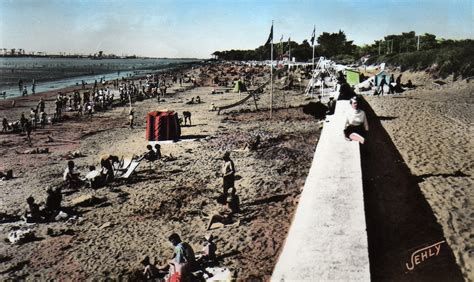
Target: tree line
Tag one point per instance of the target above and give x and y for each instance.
(337, 46)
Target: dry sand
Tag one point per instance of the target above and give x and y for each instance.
(417, 171)
(137, 216)
(425, 168)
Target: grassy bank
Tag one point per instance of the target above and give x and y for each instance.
(443, 61)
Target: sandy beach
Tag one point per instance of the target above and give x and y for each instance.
(417, 170)
(423, 186)
(192, 141)
(135, 218)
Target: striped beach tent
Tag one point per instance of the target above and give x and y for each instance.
(162, 125)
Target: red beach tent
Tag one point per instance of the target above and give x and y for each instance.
(162, 125)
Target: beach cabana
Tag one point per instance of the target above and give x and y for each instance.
(352, 77)
(162, 125)
(379, 76)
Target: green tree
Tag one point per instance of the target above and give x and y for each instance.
(332, 44)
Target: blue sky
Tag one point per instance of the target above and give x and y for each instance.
(196, 28)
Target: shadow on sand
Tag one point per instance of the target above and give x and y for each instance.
(399, 219)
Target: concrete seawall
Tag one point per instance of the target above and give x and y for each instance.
(327, 239)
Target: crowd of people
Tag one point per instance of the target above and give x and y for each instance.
(23, 88)
(394, 86)
(99, 96)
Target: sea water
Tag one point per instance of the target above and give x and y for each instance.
(110, 69)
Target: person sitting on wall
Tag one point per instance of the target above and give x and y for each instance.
(356, 123)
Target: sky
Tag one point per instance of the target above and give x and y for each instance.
(197, 28)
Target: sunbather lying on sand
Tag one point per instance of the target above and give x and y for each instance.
(34, 151)
(6, 175)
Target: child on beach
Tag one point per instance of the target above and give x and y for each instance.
(70, 175)
(208, 252)
(32, 214)
(150, 155)
(158, 151)
(94, 178)
(131, 117)
(4, 125)
(28, 129)
(150, 271)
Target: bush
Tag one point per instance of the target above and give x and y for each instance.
(451, 59)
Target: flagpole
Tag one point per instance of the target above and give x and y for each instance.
(289, 52)
(313, 47)
(312, 78)
(271, 76)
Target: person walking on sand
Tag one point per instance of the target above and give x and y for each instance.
(28, 129)
(41, 106)
(383, 82)
(228, 174)
(5, 125)
(58, 108)
(33, 87)
(131, 117)
(23, 121)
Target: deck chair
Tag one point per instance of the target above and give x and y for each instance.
(128, 168)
